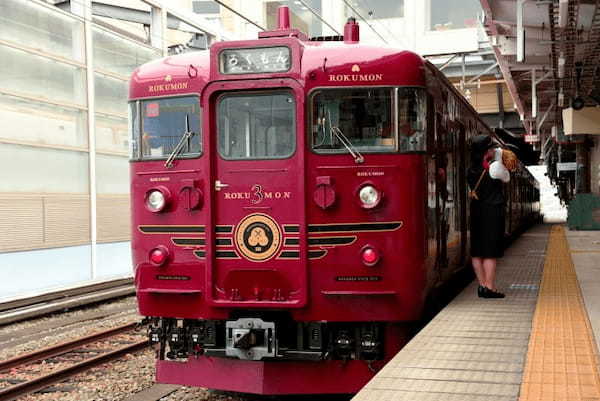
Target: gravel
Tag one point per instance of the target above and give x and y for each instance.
(122, 315)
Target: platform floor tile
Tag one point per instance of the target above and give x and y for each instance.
(475, 349)
(562, 359)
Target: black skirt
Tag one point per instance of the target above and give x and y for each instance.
(487, 229)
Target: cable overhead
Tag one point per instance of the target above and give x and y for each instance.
(319, 16)
(384, 26)
(239, 14)
(365, 21)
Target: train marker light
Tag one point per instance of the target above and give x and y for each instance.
(369, 255)
(156, 199)
(159, 255)
(369, 196)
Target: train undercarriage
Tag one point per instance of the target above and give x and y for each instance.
(267, 338)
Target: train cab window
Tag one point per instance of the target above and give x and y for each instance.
(361, 118)
(257, 125)
(169, 125)
(369, 120)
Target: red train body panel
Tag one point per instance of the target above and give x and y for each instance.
(262, 266)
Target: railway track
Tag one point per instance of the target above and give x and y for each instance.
(70, 358)
(57, 301)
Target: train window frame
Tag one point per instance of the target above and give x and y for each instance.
(395, 116)
(137, 144)
(134, 130)
(260, 92)
(423, 140)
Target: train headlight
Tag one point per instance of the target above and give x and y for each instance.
(369, 196)
(159, 255)
(156, 200)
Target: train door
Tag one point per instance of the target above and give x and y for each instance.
(461, 152)
(441, 190)
(259, 253)
(452, 206)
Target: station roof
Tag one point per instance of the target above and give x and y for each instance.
(549, 54)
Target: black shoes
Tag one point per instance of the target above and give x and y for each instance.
(484, 292)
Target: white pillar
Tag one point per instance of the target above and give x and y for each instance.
(83, 8)
(158, 29)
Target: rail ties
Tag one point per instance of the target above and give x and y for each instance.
(57, 375)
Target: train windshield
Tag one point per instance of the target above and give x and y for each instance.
(257, 125)
(372, 119)
(169, 126)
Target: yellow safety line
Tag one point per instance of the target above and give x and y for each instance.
(562, 359)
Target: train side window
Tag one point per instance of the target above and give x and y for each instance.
(257, 125)
(363, 118)
(412, 116)
(164, 123)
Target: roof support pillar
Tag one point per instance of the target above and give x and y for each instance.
(520, 32)
(158, 29)
(542, 120)
(534, 101)
(464, 71)
(447, 63)
(487, 70)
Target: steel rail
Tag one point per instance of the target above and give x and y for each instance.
(63, 347)
(63, 325)
(63, 303)
(18, 390)
(64, 293)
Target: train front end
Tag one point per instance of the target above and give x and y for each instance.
(274, 252)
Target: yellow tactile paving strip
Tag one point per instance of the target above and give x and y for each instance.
(562, 359)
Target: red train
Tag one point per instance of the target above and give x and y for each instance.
(294, 202)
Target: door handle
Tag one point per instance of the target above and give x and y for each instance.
(219, 185)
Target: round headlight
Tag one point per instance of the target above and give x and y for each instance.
(155, 200)
(369, 196)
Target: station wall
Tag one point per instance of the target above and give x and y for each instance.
(48, 198)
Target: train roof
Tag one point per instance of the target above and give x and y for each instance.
(318, 64)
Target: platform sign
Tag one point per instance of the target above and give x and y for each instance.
(570, 166)
(532, 138)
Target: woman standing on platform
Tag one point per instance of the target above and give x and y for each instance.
(488, 209)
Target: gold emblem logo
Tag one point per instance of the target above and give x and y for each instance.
(258, 237)
(355, 68)
(168, 78)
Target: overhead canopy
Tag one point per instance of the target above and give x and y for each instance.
(549, 53)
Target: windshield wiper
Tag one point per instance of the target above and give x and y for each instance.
(184, 138)
(358, 158)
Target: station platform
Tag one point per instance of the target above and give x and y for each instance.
(538, 343)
